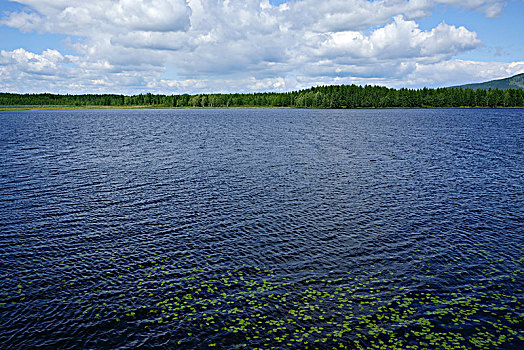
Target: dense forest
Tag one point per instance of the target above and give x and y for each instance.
(333, 96)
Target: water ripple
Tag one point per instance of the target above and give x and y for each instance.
(262, 228)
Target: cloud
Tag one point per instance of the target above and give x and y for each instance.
(456, 72)
(348, 15)
(400, 39)
(153, 40)
(235, 45)
(25, 22)
(21, 60)
(489, 8)
(27, 72)
(83, 17)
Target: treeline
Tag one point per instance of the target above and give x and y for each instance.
(333, 96)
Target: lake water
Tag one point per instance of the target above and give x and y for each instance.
(262, 228)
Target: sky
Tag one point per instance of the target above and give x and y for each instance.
(221, 46)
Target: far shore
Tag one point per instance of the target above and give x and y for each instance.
(29, 108)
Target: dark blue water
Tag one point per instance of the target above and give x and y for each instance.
(226, 229)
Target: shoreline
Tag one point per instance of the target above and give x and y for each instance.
(30, 108)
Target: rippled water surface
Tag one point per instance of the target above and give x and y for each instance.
(262, 228)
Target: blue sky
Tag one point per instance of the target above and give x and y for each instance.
(500, 35)
(179, 46)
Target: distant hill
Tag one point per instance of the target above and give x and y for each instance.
(514, 82)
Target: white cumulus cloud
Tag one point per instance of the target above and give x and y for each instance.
(178, 46)
(400, 39)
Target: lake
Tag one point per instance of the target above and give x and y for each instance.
(264, 228)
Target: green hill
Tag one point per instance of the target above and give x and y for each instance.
(514, 82)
